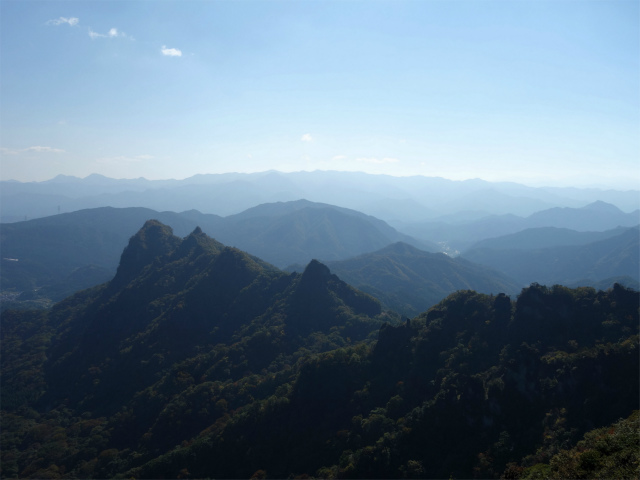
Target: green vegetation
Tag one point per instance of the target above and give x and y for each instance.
(409, 281)
(608, 452)
(198, 360)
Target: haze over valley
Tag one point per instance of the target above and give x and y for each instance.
(272, 239)
(85, 245)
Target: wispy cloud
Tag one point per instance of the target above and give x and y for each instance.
(112, 33)
(170, 52)
(338, 157)
(44, 149)
(306, 138)
(59, 21)
(377, 161)
(39, 149)
(73, 21)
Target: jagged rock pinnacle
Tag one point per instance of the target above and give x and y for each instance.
(152, 240)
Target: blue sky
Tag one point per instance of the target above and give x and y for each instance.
(539, 92)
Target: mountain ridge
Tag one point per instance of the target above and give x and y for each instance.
(171, 294)
(615, 256)
(541, 237)
(462, 236)
(50, 248)
(236, 192)
(409, 280)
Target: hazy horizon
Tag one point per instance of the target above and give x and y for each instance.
(536, 93)
(524, 183)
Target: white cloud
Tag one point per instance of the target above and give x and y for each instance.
(112, 33)
(306, 137)
(338, 157)
(377, 161)
(39, 149)
(59, 21)
(44, 149)
(73, 21)
(170, 52)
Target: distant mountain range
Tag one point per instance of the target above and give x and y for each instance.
(595, 216)
(461, 235)
(542, 237)
(397, 200)
(616, 256)
(284, 233)
(61, 254)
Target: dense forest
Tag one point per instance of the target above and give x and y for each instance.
(198, 360)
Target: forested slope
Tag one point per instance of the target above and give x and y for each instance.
(409, 280)
(198, 360)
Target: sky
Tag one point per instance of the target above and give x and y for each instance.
(538, 92)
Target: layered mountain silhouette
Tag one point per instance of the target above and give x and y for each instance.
(295, 232)
(595, 217)
(55, 256)
(613, 257)
(200, 360)
(393, 199)
(542, 237)
(409, 280)
(45, 252)
(195, 357)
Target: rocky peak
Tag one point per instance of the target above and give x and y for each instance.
(315, 276)
(153, 240)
